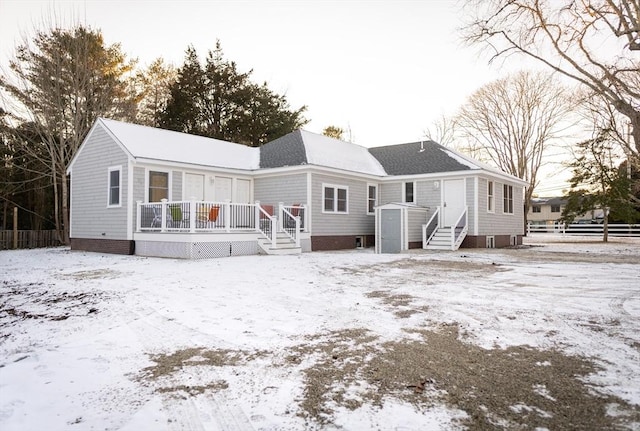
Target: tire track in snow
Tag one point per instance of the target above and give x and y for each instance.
(202, 412)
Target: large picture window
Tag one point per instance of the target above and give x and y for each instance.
(372, 198)
(115, 179)
(507, 199)
(158, 186)
(335, 199)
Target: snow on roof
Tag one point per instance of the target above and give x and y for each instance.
(325, 151)
(166, 145)
(462, 160)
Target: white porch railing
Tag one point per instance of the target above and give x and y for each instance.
(291, 219)
(430, 229)
(459, 229)
(203, 217)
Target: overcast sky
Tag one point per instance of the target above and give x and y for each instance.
(385, 70)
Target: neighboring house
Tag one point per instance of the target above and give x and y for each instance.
(153, 192)
(548, 211)
(545, 211)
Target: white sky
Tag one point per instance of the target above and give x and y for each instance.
(386, 70)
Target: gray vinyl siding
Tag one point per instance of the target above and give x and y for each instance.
(90, 216)
(414, 226)
(498, 223)
(289, 189)
(138, 190)
(356, 222)
(426, 194)
(390, 193)
(470, 188)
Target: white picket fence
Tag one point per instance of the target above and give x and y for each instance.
(589, 229)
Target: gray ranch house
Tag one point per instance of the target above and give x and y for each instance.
(153, 192)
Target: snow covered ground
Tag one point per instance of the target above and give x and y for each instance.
(543, 336)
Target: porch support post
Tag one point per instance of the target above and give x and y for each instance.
(305, 212)
(163, 223)
(257, 215)
(280, 216)
(297, 218)
(192, 215)
(138, 216)
(227, 215)
(273, 231)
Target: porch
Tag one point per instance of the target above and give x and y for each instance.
(201, 229)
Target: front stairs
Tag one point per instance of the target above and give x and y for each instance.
(441, 240)
(284, 245)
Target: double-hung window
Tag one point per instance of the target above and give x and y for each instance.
(114, 186)
(490, 198)
(507, 197)
(335, 199)
(536, 209)
(158, 186)
(409, 192)
(372, 198)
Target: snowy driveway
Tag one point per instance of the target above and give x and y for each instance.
(544, 336)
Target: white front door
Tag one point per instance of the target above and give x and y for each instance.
(453, 201)
(194, 187)
(222, 189)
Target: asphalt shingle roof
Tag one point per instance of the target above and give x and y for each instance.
(417, 158)
(285, 151)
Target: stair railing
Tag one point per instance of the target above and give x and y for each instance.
(430, 229)
(459, 229)
(266, 224)
(289, 223)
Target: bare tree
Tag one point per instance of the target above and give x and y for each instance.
(442, 131)
(513, 120)
(57, 85)
(590, 41)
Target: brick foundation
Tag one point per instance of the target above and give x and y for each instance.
(114, 246)
(343, 242)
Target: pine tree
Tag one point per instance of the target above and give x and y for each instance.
(220, 102)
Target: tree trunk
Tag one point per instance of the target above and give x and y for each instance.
(65, 210)
(605, 226)
(5, 212)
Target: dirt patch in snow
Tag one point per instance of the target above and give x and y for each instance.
(169, 368)
(42, 301)
(514, 388)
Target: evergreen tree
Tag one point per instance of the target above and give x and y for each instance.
(220, 102)
(597, 183)
(154, 85)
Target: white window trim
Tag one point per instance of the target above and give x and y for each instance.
(109, 170)
(375, 199)
(504, 210)
(491, 197)
(335, 187)
(404, 192)
(146, 182)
